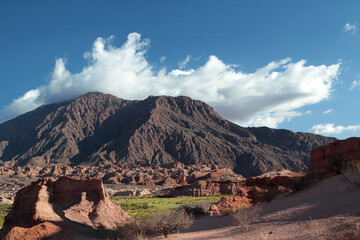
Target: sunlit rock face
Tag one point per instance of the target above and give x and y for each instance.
(326, 161)
(64, 202)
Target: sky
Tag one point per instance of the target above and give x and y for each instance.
(282, 64)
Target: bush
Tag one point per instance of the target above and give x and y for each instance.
(244, 217)
(319, 230)
(166, 222)
(132, 230)
(350, 230)
(194, 211)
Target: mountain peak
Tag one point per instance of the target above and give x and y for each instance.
(98, 128)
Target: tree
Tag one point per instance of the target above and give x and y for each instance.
(244, 217)
(166, 222)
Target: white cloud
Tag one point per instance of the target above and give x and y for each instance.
(330, 110)
(330, 129)
(178, 72)
(183, 63)
(30, 100)
(350, 28)
(270, 95)
(271, 119)
(162, 59)
(354, 84)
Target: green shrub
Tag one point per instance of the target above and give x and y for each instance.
(4, 210)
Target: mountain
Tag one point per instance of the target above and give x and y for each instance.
(100, 129)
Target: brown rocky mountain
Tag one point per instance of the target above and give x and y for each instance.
(100, 129)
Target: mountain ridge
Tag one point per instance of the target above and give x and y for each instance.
(98, 128)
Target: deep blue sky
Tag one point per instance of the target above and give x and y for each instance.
(249, 34)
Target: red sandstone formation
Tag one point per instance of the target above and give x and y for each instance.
(326, 161)
(227, 184)
(63, 201)
(246, 197)
(172, 175)
(284, 178)
(257, 189)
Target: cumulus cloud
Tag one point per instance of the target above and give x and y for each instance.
(330, 129)
(268, 96)
(351, 28)
(330, 110)
(271, 119)
(30, 100)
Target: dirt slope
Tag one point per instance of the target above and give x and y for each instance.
(333, 202)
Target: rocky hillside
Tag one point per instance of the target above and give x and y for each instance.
(100, 129)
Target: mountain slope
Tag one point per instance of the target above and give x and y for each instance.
(102, 129)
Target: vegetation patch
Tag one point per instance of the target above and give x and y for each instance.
(161, 221)
(4, 209)
(139, 208)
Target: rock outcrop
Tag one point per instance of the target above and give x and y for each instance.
(65, 201)
(227, 184)
(283, 178)
(228, 204)
(326, 161)
(13, 178)
(46, 230)
(99, 129)
(257, 189)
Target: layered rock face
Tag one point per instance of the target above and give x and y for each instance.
(326, 161)
(227, 184)
(99, 130)
(64, 201)
(283, 178)
(243, 198)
